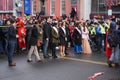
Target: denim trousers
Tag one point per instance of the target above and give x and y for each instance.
(6, 46)
(45, 47)
(11, 47)
(115, 54)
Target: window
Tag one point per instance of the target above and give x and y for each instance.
(63, 6)
(73, 2)
(10, 4)
(1, 5)
(34, 6)
(52, 7)
(94, 5)
(98, 6)
(102, 7)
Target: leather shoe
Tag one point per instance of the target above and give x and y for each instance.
(12, 64)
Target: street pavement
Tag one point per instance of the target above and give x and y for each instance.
(72, 67)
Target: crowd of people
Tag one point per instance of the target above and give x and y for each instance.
(33, 35)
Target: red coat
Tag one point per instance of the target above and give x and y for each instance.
(108, 49)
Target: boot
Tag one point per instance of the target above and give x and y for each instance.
(109, 63)
(117, 65)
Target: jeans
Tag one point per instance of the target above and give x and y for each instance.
(115, 55)
(11, 47)
(5, 46)
(45, 47)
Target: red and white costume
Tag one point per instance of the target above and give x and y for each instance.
(21, 33)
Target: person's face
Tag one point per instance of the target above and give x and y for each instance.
(14, 24)
(8, 22)
(31, 21)
(49, 19)
(64, 23)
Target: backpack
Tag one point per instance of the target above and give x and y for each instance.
(113, 39)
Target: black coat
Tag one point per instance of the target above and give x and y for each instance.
(63, 36)
(77, 37)
(12, 33)
(34, 36)
(46, 30)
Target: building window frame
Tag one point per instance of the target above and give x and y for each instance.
(33, 4)
(52, 7)
(62, 7)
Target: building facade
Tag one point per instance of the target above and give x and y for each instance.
(19, 8)
(6, 8)
(60, 7)
(100, 8)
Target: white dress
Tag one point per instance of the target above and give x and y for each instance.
(85, 43)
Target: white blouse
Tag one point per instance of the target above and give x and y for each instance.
(85, 34)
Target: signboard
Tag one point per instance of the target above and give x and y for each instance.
(109, 12)
(27, 7)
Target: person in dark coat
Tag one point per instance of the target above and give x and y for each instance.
(5, 35)
(77, 37)
(73, 13)
(54, 39)
(63, 38)
(46, 37)
(68, 38)
(33, 44)
(12, 38)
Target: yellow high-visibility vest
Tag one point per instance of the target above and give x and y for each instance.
(102, 29)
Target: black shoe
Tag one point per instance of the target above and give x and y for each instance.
(46, 57)
(29, 60)
(109, 64)
(80, 53)
(117, 65)
(54, 57)
(66, 54)
(39, 61)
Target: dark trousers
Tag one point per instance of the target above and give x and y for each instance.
(104, 39)
(11, 47)
(5, 46)
(53, 47)
(99, 42)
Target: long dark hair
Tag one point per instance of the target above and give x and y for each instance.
(84, 25)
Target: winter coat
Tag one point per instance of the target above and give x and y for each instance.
(34, 36)
(77, 37)
(55, 36)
